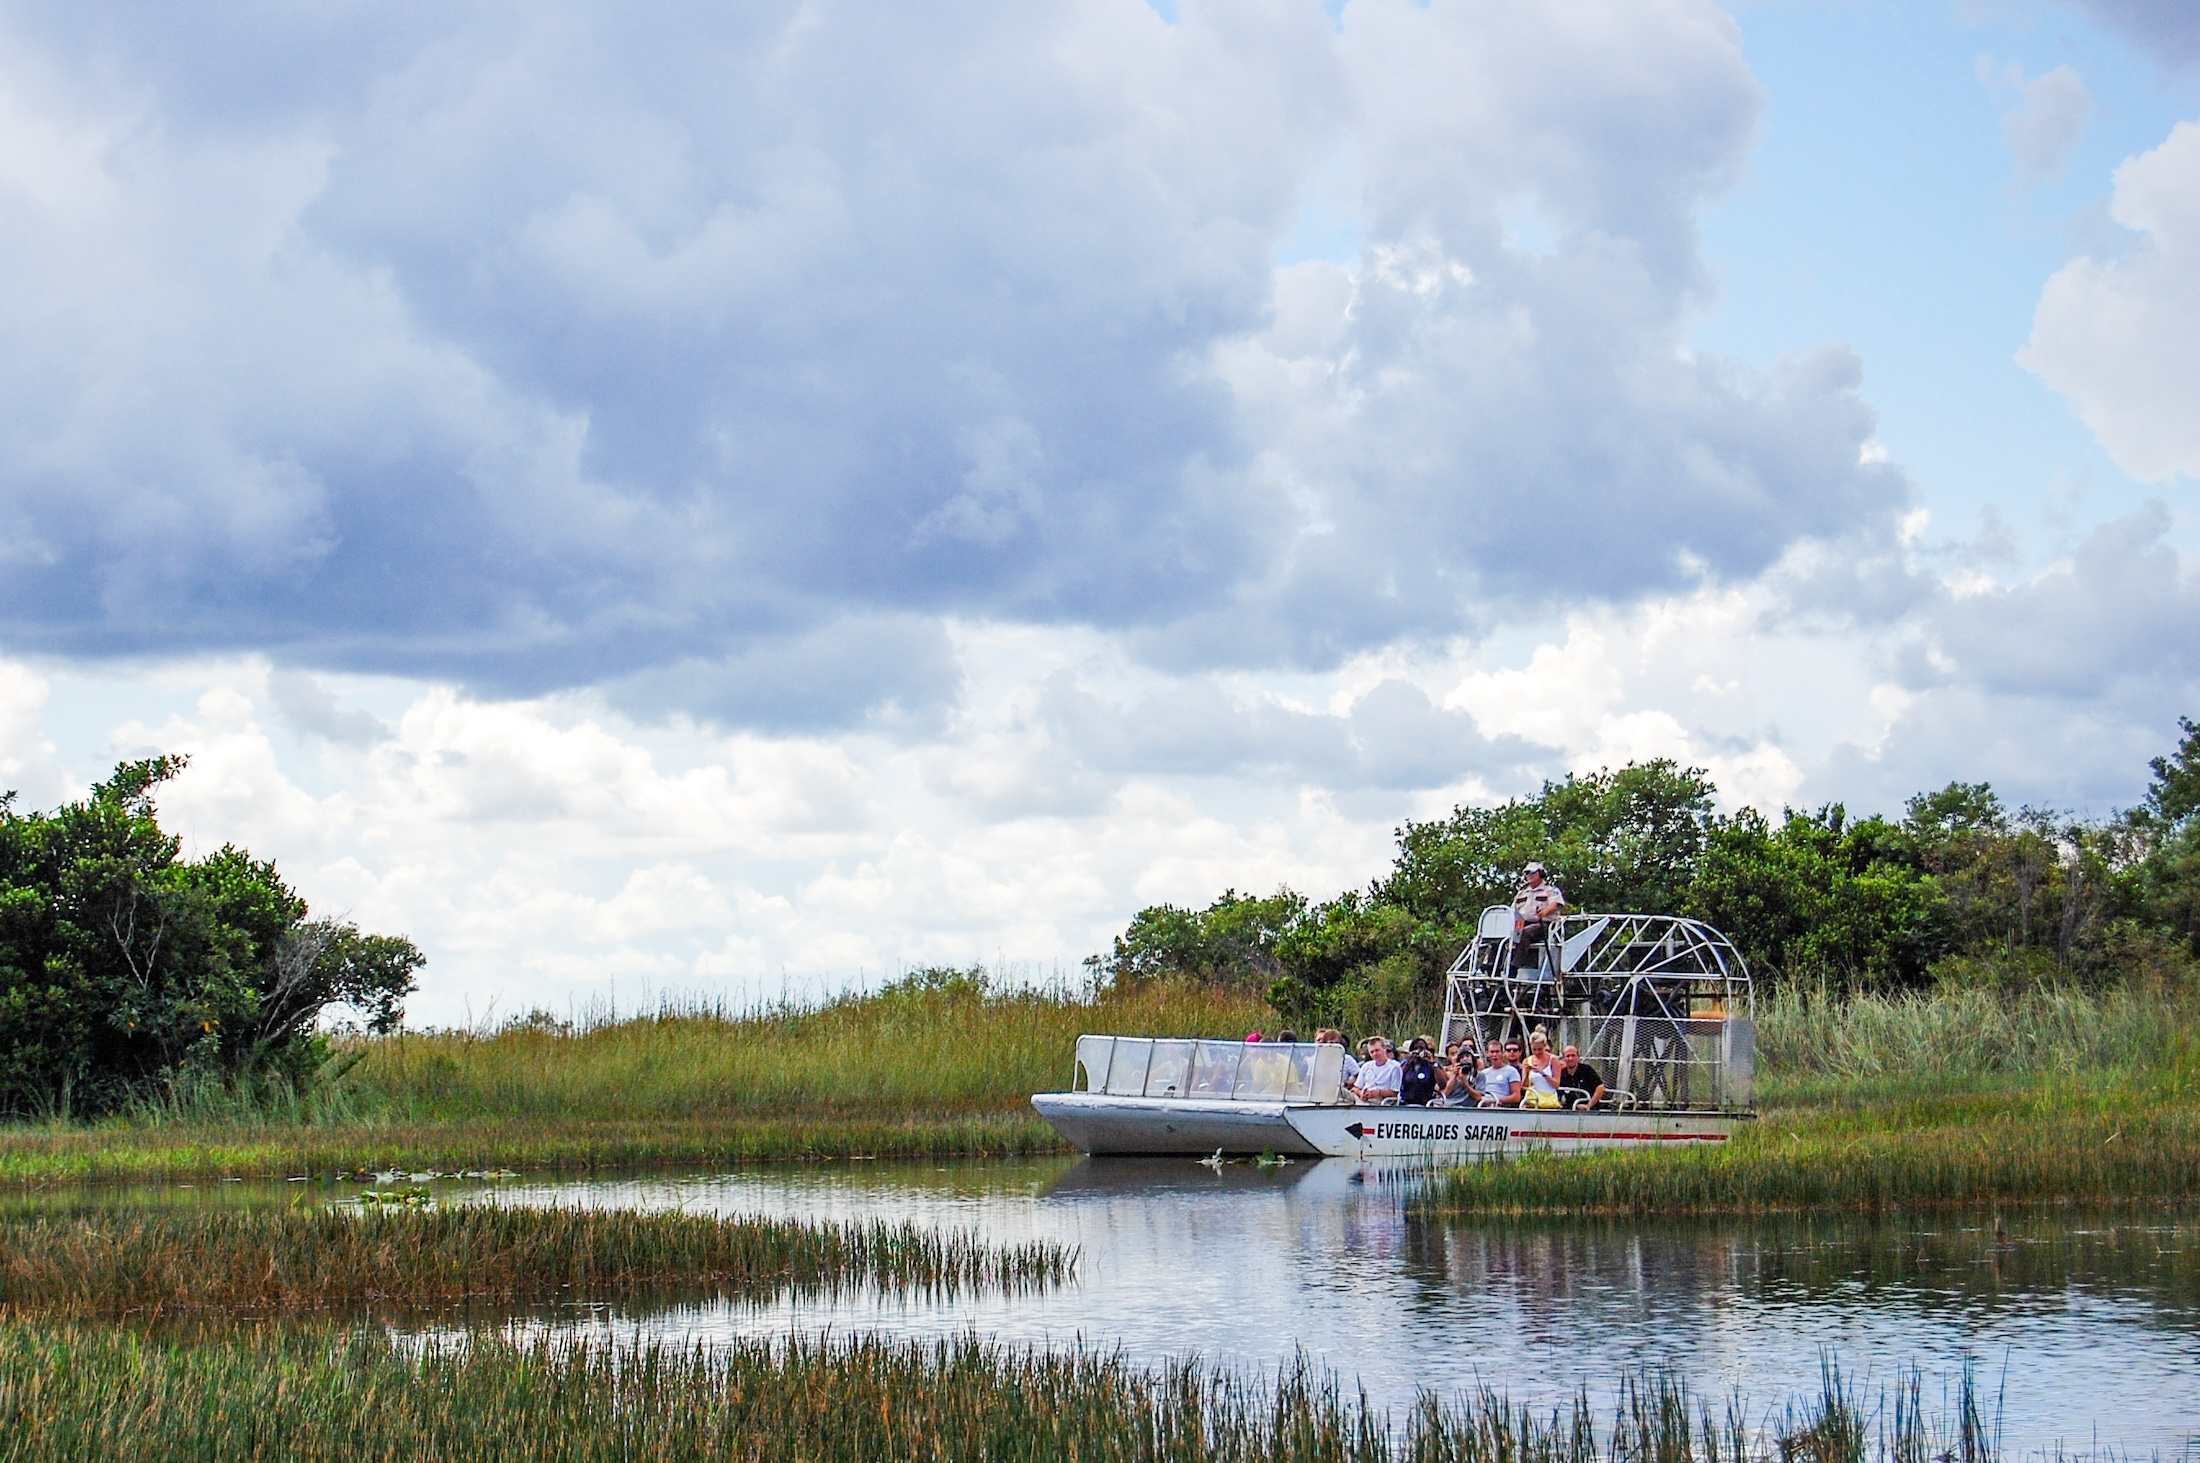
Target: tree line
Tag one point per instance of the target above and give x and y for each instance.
(128, 972)
(1959, 888)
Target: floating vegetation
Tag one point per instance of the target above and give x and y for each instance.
(306, 1394)
(264, 1262)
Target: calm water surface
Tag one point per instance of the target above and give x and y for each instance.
(2089, 1325)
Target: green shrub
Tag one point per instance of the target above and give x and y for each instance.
(128, 973)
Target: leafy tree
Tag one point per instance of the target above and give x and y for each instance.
(1817, 896)
(125, 968)
(1626, 840)
(2163, 881)
(2174, 796)
(1231, 943)
(1356, 958)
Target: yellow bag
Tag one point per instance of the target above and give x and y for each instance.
(1533, 1098)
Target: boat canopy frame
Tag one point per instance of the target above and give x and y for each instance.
(1662, 1006)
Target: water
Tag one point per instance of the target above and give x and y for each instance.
(2088, 1326)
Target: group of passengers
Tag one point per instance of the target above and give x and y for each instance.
(1503, 1076)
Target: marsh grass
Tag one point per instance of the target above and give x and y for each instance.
(57, 1154)
(1941, 1099)
(131, 1263)
(933, 1067)
(935, 1045)
(70, 1391)
(1868, 1163)
(1812, 1040)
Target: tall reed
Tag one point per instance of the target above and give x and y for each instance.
(944, 1046)
(1961, 1033)
(232, 1262)
(929, 1068)
(298, 1394)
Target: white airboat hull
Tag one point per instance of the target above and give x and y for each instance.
(1105, 1125)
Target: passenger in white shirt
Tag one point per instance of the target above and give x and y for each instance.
(1499, 1080)
(1380, 1074)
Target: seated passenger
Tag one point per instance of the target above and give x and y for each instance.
(1541, 1072)
(1579, 1086)
(1417, 1074)
(1498, 1083)
(1379, 1074)
(1331, 1036)
(1458, 1077)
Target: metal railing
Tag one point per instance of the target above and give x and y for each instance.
(1237, 1071)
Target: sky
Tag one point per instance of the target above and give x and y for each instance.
(739, 502)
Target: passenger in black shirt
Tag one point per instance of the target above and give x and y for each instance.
(1579, 1086)
(1417, 1078)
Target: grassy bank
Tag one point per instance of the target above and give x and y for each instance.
(1946, 1099)
(131, 1263)
(75, 1392)
(173, 1150)
(937, 1047)
(924, 1069)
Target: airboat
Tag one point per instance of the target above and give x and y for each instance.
(1660, 1006)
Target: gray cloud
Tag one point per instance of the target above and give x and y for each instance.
(900, 671)
(2170, 29)
(671, 348)
(1393, 737)
(312, 708)
(2048, 121)
(2057, 689)
(2121, 609)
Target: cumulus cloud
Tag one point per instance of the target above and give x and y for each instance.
(703, 353)
(551, 850)
(2121, 336)
(27, 763)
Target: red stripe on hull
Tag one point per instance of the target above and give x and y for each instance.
(1644, 1137)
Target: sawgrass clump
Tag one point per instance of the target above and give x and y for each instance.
(297, 1393)
(222, 1263)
